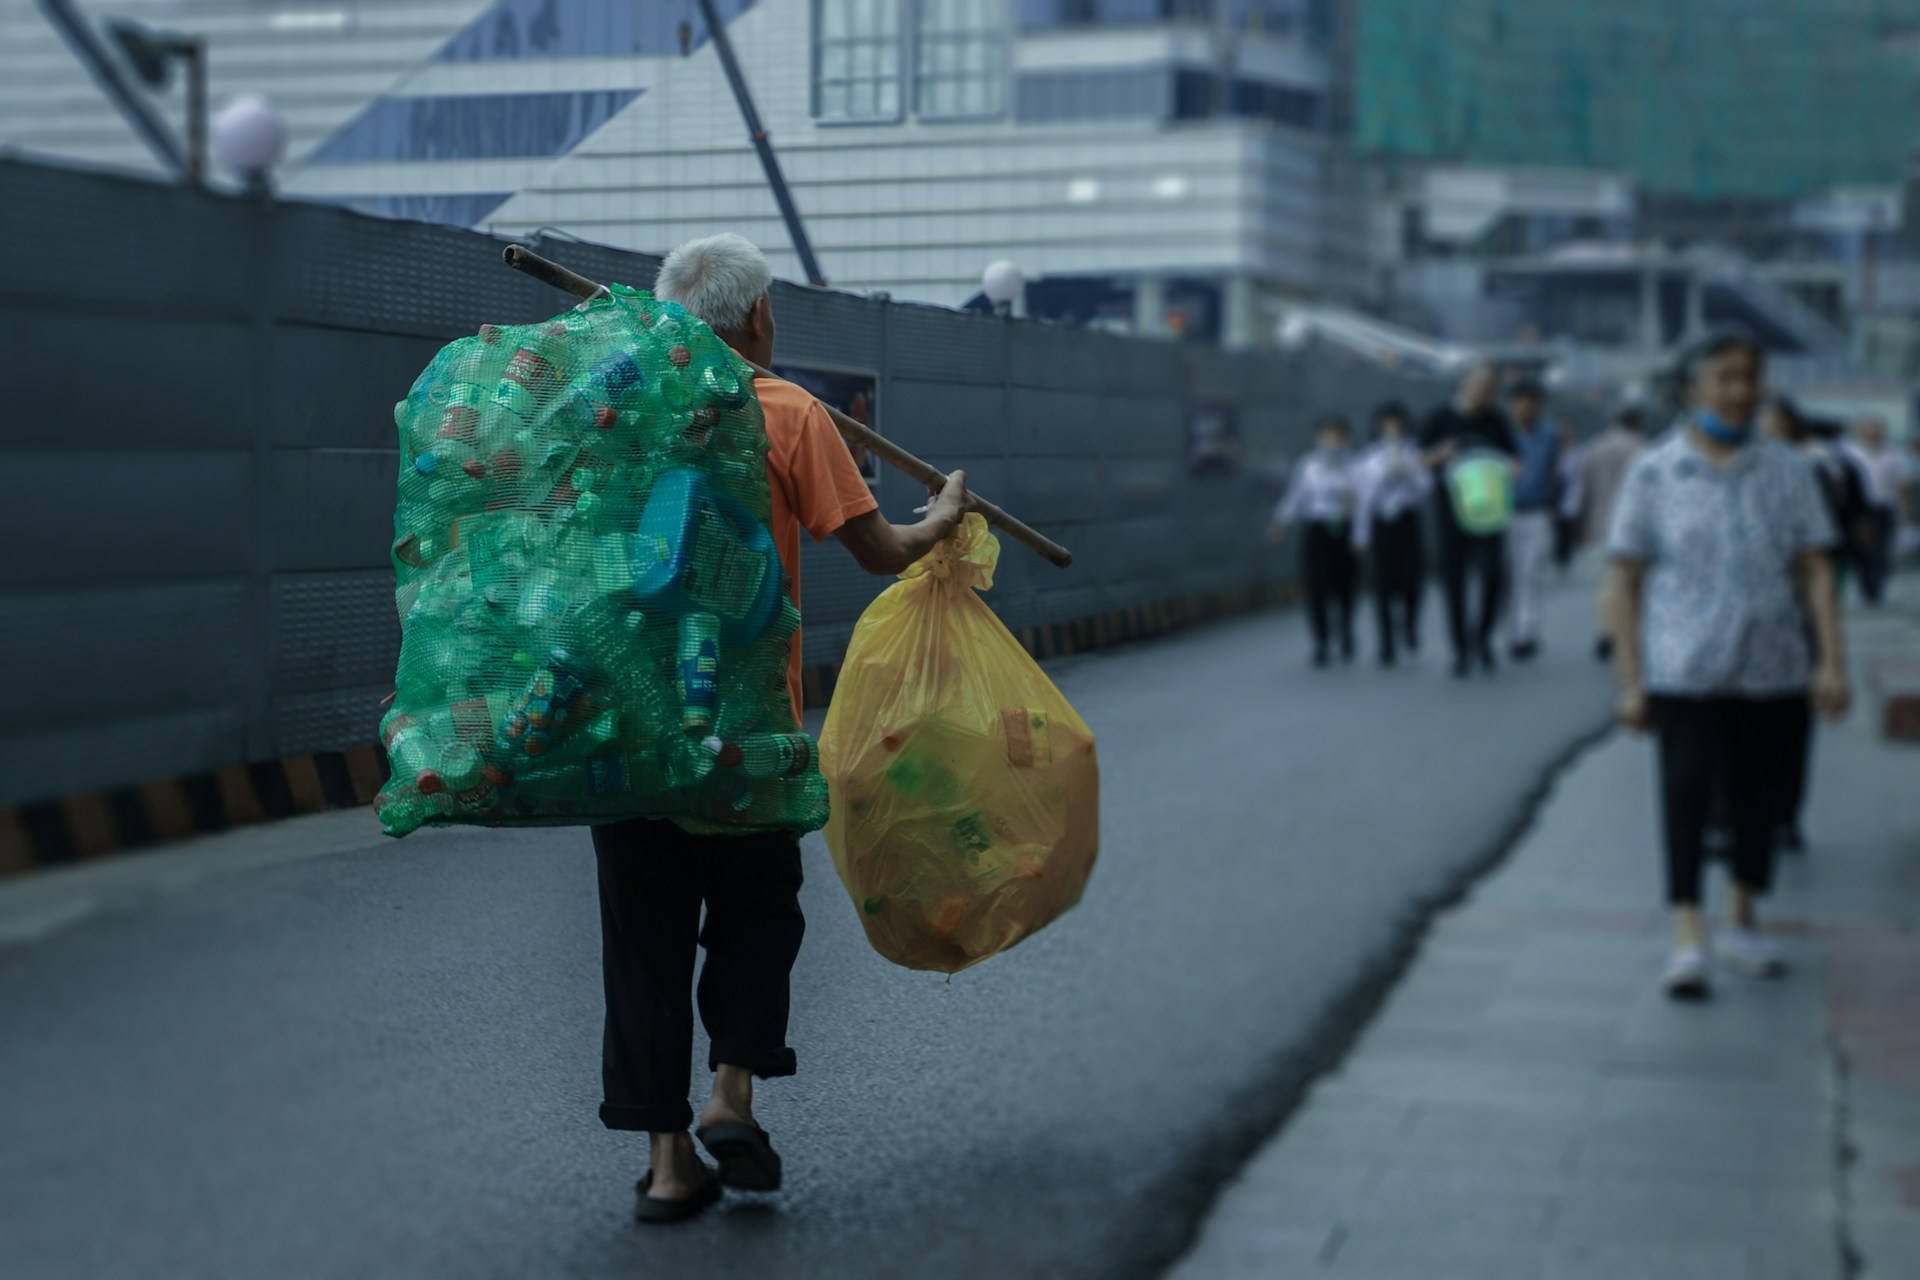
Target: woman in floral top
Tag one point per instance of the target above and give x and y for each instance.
(1721, 605)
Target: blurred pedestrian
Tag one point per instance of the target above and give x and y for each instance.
(1844, 480)
(1322, 496)
(1783, 421)
(1572, 497)
(1885, 472)
(1602, 468)
(1907, 541)
(1468, 428)
(1536, 499)
(1722, 607)
(655, 878)
(1393, 484)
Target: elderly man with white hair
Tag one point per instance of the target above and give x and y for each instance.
(655, 878)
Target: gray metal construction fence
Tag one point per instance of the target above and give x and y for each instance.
(197, 461)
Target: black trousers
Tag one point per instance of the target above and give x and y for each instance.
(653, 879)
(1565, 529)
(1399, 579)
(1737, 748)
(1328, 565)
(1795, 769)
(1876, 560)
(1464, 555)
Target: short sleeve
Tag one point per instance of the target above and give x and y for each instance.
(1633, 535)
(1808, 517)
(824, 487)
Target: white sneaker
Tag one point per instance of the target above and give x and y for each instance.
(1752, 953)
(1686, 976)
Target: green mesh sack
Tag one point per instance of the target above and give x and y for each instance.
(594, 620)
(1480, 485)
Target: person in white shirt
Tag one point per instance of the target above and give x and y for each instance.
(1393, 483)
(1321, 496)
(1885, 473)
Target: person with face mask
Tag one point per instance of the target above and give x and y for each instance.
(1721, 605)
(1322, 496)
(1392, 484)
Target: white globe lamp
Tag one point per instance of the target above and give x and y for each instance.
(1296, 331)
(1002, 282)
(250, 137)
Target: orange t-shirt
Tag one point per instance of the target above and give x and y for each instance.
(814, 484)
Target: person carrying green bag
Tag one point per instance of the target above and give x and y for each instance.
(1469, 444)
(655, 877)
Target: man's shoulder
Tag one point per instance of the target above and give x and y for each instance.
(774, 391)
(786, 406)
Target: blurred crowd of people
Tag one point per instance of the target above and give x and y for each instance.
(1359, 512)
(1729, 539)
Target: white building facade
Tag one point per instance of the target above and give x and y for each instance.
(1152, 164)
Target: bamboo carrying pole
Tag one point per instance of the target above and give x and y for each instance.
(521, 258)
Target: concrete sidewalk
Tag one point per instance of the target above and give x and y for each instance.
(1528, 1104)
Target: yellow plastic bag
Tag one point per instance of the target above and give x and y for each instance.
(966, 793)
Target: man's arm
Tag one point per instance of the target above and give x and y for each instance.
(886, 549)
(1819, 592)
(1620, 619)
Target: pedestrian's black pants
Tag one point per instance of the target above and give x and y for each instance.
(1742, 748)
(653, 879)
(1876, 562)
(1328, 565)
(1399, 579)
(1481, 556)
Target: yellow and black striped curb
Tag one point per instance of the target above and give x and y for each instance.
(129, 819)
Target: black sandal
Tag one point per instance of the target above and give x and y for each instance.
(652, 1209)
(748, 1161)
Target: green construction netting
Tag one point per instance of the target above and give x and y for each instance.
(595, 623)
(1709, 99)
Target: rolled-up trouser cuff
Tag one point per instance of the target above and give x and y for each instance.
(666, 1119)
(768, 1064)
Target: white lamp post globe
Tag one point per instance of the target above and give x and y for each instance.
(249, 135)
(1296, 331)
(1002, 282)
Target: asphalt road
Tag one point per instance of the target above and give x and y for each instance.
(308, 1051)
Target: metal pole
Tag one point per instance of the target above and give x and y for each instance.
(81, 38)
(194, 51)
(756, 131)
(521, 258)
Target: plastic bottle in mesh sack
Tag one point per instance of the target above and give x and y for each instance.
(586, 583)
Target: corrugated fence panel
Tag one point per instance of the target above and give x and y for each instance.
(337, 387)
(127, 245)
(189, 348)
(86, 519)
(99, 382)
(334, 630)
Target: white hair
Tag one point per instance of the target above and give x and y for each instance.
(718, 278)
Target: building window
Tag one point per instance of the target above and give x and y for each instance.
(1129, 93)
(1049, 15)
(481, 126)
(856, 60)
(960, 57)
(514, 29)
